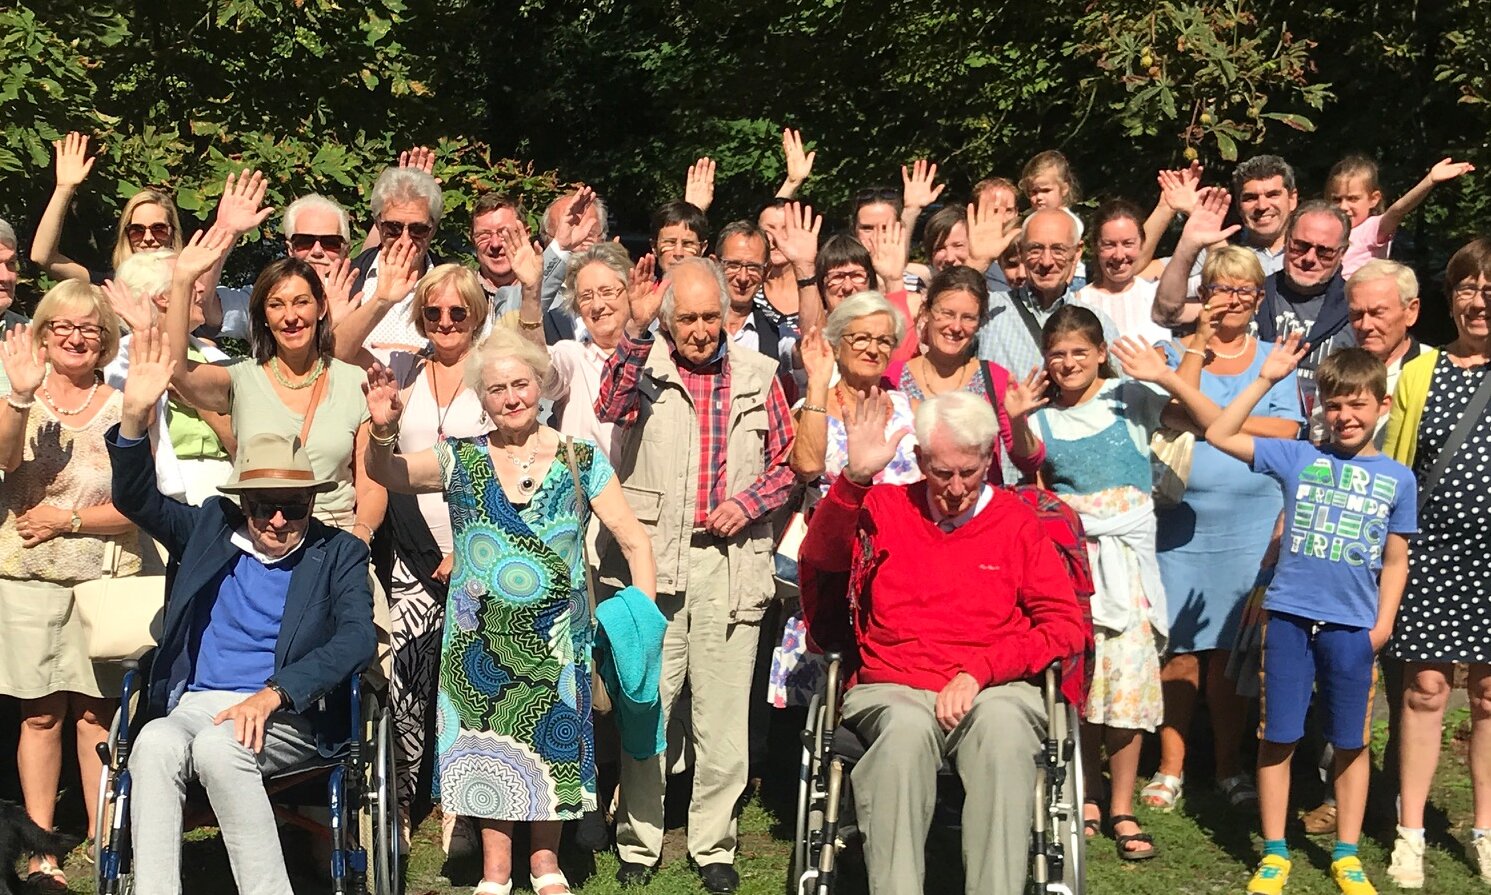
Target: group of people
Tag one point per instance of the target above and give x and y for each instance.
(507, 484)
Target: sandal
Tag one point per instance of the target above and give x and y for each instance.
(1239, 790)
(47, 877)
(1091, 826)
(1124, 852)
(1162, 792)
(549, 879)
(1321, 820)
(486, 887)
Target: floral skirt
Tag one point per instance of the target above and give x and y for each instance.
(796, 674)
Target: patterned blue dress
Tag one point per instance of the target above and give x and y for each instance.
(513, 731)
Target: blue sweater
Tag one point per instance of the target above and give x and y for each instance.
(237, 633)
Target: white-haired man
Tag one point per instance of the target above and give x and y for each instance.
(703, 461)
(960, 600)
(407, 206)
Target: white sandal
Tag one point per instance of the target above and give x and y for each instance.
(490, 888)
(549, 879)
(1162, 792)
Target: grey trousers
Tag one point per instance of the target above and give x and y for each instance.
(185, 745)
(895, 784)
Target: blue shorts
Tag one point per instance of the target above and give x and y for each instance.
(1303, 657)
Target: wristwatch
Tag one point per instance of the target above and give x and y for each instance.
(805, 282)
(77, 522)
(285, 702)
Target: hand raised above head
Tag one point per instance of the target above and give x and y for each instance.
(526, 255)
(1206, 225)
(136, 311)
(889, 254)
(241, 208)
(25, 363)
(868, 446)
(799, 163)
(385, 407)
(799, 240)
(150, 369)
(919, 187)
(1286, 354)
(643, 295)
(698, 184)
(202, 252)
(72, 159)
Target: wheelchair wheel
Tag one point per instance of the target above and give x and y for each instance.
(809, 788)
(384, 807)
(110, 842)
(1067, 808)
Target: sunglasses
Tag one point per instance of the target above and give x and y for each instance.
(136, 232)
(395, 229)
(264, 510)
(302, 242)
(433, 315)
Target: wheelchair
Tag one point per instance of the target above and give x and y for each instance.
(825, 824)
(359, 789)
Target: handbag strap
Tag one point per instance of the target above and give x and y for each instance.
(317, 392)
(1026, 315)
(574, 473)
(1467, 421)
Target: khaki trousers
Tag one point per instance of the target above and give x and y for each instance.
(895, 785)
(715, 657)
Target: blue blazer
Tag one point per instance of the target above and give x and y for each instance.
(326, 635)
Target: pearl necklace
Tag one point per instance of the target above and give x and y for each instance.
(76, 410)
(317, 369)
(1247, 339)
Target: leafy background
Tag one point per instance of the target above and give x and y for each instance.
(623, 95)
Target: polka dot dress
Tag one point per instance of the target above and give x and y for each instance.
(1446, 611)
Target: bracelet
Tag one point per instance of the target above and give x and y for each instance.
(1196, 351)
(381, 440)
(530, 325)
(805, 282)
(362, 524)
(813, 408)
(15, 405)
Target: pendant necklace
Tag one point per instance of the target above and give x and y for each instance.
(526, 484)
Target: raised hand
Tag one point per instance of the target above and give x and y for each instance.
(989, 234)
(385, 408)
(1178, 189)
(137, 311)
(1205, 226)
(202, 253)
(817, 358)
(337, 284)
(919, 187)
(25, 363)
(1284, 357)
(239, 211)
(526, 255)
(643, 295)
(421, 157)
(869, 448)
(889, 254)
(576, 223)
(1448, 169)
(799, 240)
(799, 164)
(1139, 359)
(150, 369)
(698, 184)
(397, 271)
(73, 163)
(1025, 397)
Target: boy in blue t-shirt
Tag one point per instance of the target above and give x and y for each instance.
(1348, 510)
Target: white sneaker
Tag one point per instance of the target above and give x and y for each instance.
(1480, 853)
(1407, 868)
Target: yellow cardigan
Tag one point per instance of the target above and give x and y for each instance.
(1409, 397)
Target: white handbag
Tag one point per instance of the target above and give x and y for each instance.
(122, 615)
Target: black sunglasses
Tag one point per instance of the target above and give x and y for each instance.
(264, 510)
(302, 242)
(395, 229)
(136, 232)
(457, 314)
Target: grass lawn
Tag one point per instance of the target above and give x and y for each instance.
(1207, 847)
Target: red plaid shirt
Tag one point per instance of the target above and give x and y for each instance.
(709, 388)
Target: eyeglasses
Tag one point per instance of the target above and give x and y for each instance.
(943, 315)
(264, 510)
(433, 314)
(1326, 254)
(688, 246)
(136, 232)
(856, 277)
(482, 237)
(331, 242)
(1234, 291)
(605, 293)
(861, 341)
(91, 332)
(1058, 251)
(395, 229)
(1469, 291)
(750, 267)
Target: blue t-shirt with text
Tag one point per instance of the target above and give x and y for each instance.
(1338, 512)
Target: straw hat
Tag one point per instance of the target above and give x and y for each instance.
(271, 461)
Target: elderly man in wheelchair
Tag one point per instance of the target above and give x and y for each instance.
(952, 599)
(269, 612)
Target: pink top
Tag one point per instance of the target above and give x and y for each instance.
(1364, 244)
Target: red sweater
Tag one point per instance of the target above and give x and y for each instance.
(991, 598)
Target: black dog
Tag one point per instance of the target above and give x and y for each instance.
(20, 837)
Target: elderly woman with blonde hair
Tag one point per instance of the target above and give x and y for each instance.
(514, 697)
(56, 520)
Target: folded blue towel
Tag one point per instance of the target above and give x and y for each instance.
(629, 657)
